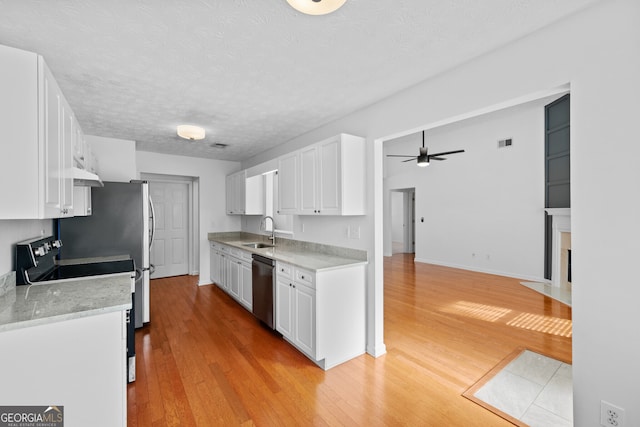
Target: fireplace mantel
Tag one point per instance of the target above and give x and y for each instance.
(561, 223)
(558, 211)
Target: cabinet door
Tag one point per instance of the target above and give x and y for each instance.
(239, 192)
(330, 178)
(246, 286)
(284, 309)
(224, 271)
(19, 149)
(68, 128)
(308, 181)
(229, 194)
(234, 278)
(305, 319)
(214, 265)
(52, 145)
(288, 184)
(254, 198)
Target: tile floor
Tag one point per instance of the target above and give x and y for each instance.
(559, 293)
(533, 388)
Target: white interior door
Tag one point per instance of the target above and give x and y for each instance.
(169, 252)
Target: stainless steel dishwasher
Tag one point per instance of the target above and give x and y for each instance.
(263, 289)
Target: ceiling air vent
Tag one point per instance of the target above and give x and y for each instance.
(218, 145)
(505, 143)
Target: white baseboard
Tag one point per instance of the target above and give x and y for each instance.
(205, 283)
(377, 351)
(481, 270)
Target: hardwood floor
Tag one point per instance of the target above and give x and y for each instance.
(205, 361)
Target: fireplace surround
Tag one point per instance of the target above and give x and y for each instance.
(560, 245)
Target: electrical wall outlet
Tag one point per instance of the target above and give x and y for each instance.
(611, 415)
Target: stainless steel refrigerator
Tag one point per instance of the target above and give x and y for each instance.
(121, 225)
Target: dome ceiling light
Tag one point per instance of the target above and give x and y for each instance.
(190, 132)
(316, 7)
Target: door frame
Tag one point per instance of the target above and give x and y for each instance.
(193, 214)
(409, 219)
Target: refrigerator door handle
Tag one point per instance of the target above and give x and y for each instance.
(153, 222)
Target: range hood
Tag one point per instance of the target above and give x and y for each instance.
(84, 178)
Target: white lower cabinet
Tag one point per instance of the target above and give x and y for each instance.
(78, 363)
(231, 271)
(304, 313)
(284, 306)
(246, 285)
(214, 263)
(322, 313)
(295, 310)
(235, 266)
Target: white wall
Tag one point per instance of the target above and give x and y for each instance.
(211, 175)
(596, 51)
(116, 158)
(16, 230)
(482, 209)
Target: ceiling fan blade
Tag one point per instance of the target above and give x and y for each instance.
(398, 155)
(436, 158)
(446, 153)
(410, 160)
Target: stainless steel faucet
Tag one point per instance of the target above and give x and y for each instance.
(263, 223)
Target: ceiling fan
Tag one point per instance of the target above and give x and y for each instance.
(423, 158)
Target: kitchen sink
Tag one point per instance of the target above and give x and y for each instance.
(258, 245)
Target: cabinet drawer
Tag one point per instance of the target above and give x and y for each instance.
(283, 270)
(236, 252)
(305, 277)
(246, 256)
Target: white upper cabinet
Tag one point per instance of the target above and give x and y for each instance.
(326, 178)
(244, 196)
(38, 132)
(308, 181)
(288, 200)
(68, 137)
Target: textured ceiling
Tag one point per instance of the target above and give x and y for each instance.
(253, 73)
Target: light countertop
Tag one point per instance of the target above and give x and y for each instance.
(310, 256)
(56, 301)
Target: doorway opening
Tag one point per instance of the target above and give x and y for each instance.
(403, 212)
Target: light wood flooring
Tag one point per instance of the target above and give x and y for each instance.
(205, 361)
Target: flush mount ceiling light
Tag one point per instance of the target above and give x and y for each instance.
(190, 132)
(316, 7)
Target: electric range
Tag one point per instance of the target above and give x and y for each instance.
(37, 264)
